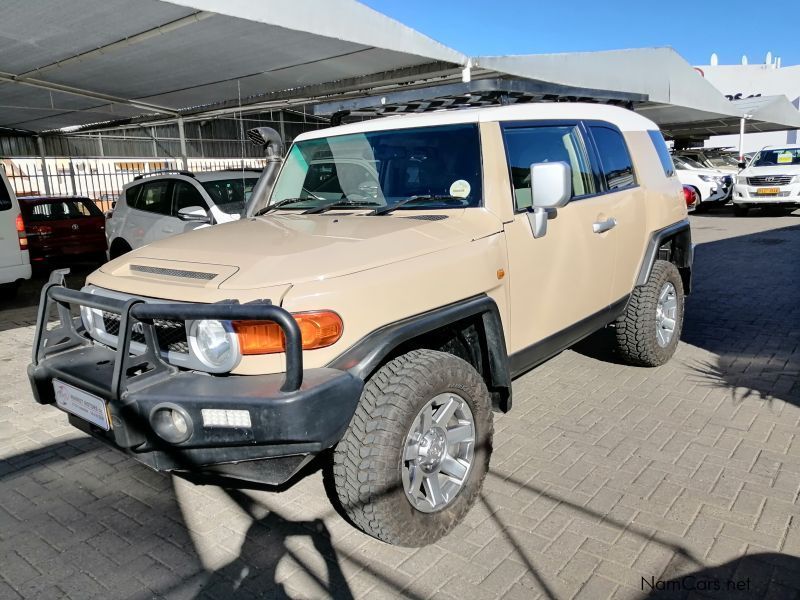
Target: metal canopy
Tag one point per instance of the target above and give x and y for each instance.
(675, 92)
(90, 61)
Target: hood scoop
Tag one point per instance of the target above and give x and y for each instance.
(200, 275)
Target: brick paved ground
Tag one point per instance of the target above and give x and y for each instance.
(603, 475)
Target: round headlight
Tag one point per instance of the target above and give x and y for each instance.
(214, 343)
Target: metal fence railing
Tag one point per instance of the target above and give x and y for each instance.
(100, 179)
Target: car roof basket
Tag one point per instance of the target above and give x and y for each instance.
(164, 172)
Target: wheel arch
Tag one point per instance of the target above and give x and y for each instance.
(674, 244)
(470, 329)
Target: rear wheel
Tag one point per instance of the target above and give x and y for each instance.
(740, 210)
(647, 333)
(413, 459)
(118, 248)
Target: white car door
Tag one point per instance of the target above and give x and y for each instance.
(151, 218)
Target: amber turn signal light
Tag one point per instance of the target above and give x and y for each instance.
(317, 329)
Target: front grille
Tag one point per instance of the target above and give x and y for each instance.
(770, 180)
(171, 335)
(173, 272)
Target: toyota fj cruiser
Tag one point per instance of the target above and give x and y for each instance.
(401, 273)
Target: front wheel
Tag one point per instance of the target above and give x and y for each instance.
(647, 333)
(413, 459)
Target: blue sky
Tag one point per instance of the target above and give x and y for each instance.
(695, 29)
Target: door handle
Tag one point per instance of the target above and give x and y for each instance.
(168, 230)
(601, 226)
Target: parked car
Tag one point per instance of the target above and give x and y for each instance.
(713, 187)
(712, 158)
(162, 204)
(15, 264)
(771, 179)
(63, 227)
(692, 198)
(382, 309)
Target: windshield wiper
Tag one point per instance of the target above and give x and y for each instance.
(383, 210)
(339, 203)
(277, 205)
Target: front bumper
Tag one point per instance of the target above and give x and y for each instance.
(293, 416)
(747, 194)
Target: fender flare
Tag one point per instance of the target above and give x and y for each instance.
(682, 255)
(367, 354)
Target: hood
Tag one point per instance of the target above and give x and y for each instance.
(711, 172)
(289, 248)
(772, 170)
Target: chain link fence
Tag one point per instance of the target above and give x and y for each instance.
(101, 179)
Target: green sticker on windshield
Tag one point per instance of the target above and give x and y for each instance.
(785, 158)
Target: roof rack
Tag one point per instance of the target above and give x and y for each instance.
(164, 172)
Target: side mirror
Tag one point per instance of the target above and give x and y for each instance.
(195, 214)
(742, 165)
(551, 188)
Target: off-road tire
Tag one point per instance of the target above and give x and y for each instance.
(367, 461)
(740, 211)
(635, 329)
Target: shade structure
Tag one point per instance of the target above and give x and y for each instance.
(88, 61)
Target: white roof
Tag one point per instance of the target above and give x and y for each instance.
(625, 119)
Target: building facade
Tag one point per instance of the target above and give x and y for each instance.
(746, 80)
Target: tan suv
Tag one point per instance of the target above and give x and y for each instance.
(401, 274)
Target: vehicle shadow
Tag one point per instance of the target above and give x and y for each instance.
(767, 575)
(134, 533)
(743, 309)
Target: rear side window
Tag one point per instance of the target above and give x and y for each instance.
(5, 197)
(615, 159)
(132, 196)
(155, 197)
(663, 152)
(563, 143)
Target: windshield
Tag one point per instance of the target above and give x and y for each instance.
(440, 167)
(723, 160)
(230, 195)
(684, 162)
(777, 157)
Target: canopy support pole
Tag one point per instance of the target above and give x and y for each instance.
(741, 139)
(182, 134)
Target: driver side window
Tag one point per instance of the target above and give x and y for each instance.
(550, 143)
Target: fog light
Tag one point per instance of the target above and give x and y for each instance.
(217, 417)
(171, 423)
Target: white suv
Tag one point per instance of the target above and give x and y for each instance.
(15, 264)
(713, 187)
(771, 179)
(158, 205)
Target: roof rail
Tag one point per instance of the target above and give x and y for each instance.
(164, 172)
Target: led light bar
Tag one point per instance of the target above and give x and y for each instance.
(218, 417)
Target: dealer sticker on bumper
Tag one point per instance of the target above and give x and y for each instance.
(81, 404)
